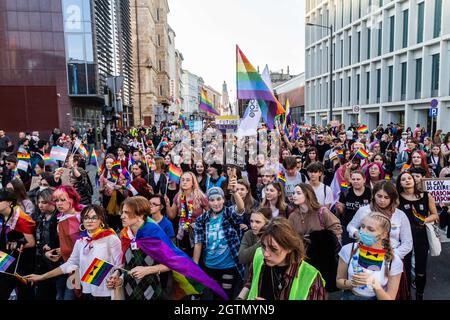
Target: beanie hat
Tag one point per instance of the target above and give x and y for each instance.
(215, 191)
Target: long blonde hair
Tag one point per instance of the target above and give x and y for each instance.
(197, 193)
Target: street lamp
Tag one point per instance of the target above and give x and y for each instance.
(331, 63)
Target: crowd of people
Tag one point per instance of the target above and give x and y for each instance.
(315, 210)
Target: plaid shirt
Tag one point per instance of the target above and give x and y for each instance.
(231, 228)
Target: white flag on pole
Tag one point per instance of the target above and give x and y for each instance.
(249, 124)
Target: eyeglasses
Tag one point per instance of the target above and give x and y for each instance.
(93, 218)
(152, 204)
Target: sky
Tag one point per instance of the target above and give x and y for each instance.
(267, 31)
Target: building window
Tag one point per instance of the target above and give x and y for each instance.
(390, 82)
(378, 85)
(159, 40)
(341, 85)
(358, 87)
(157, 14)
(437, 18)
(403, 84)
(405, 28)
(342, 53)
(380, 38)
(418, 78)
(420, 18)
(160, 90)
(349, 50)
(359, 9)
(351, 11)
(349, 90)
(392, 30)
(435, 75)
(359, 46)
(368, 87)
(369, 43)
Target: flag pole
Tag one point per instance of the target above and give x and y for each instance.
(17, 264)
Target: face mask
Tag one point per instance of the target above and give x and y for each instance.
(367, 239)
(42, 188)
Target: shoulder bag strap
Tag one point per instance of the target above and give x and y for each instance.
(322, 224)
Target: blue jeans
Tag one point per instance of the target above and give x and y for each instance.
(62, 292)
(348, 295)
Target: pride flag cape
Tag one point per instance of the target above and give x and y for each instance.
(206, 104)
(250, 86)
(370, 258)
(153, 241)
(175, 173)
(5, 261)
(97, 272)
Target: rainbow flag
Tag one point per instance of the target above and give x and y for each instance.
(115, 176)
(94, 158)
(175, 173)
(250, 86)
(362, 154)
(340, 154)
(5, 261)
(363, 129)
(206, 104)
(23, 156)
(116, 165)
(154, 242)
(48, 160)
(82, 149)
(97, 272)
(419, 217)
(344, 186)
(370, 258)
(281, 177)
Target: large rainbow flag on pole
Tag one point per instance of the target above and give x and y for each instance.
(250, 86)
(206, 104)
(154, 242)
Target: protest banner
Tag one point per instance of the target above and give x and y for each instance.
(438, 188)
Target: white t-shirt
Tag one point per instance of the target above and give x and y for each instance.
(401, 236)
(324, 194)
(290, 184)
(396, 268)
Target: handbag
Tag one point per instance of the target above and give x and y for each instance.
(433, 239)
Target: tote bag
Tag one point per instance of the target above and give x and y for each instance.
(433, 239)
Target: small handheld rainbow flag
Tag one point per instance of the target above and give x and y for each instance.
(97, 272)
(23, 156)
(116, 165)
(83, 151)
(94, 160)
(340, 154)
(115, 176)
(363, 129)
(5, 261)
(175, 173)
(48, 160)
(281, 177)
(362, 154)
(344, 186)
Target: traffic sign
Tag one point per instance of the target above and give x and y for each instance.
(356, 109)
(434, 103)
(433, 112)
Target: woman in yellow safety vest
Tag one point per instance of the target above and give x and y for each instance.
(279, 271)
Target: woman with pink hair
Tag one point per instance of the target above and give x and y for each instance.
(67, 202)
(374, 173)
